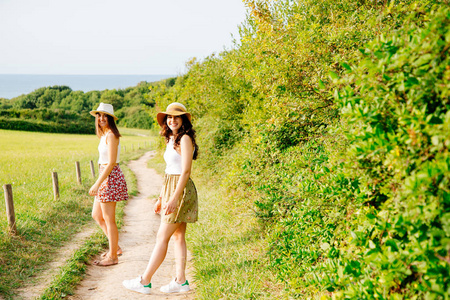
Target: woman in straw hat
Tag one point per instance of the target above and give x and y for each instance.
(177, 202)
(110, 186)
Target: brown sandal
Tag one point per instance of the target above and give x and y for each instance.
(119, 253)
(107, 261)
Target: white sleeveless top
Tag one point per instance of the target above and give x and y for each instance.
(103, 155)
(172, 159)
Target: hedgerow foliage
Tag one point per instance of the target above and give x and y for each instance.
(331, 117)
(396, 104)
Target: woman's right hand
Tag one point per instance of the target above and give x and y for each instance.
(157, 206)
(93, 190)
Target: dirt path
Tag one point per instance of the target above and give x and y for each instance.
(38, 285)
(137, 239)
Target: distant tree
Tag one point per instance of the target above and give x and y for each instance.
(112, 97)
(78, 102)
(171, 81)
(5, 103)
(93, 99)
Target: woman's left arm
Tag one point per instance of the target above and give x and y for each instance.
(113, 144)
(187, 151)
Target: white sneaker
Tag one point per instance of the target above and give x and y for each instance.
(137, 286)
(175, 287)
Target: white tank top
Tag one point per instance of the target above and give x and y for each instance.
(172, 159)
(103, 155)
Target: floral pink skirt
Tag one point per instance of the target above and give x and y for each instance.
(113, 188)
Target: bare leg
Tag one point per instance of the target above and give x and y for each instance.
(109, 215)
(159, 252)
(180, 252)
(97, 215)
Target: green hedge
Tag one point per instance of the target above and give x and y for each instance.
(42, 126)
(397, 105)
(370, 221)
(56, 115)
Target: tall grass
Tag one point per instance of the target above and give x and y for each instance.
(26, 162)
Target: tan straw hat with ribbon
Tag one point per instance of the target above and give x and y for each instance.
(104, 108)
(174, 109)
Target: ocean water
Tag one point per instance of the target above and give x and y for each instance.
(13, 85)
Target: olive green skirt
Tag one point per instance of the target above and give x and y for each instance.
(187, 205)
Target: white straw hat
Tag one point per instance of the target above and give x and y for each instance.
(104, 108)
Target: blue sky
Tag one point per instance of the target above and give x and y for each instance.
(113, 36)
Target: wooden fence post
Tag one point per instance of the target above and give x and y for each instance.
(92, 169)
(10, 209)
(55, 185)
(77, 168)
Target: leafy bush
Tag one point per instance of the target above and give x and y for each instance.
(397, 103)
(374, 216)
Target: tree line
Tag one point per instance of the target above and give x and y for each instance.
(60, 109)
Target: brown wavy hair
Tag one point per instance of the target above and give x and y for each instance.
(186, 128)
(111, 124)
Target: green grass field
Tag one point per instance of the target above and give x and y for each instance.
(27, 161)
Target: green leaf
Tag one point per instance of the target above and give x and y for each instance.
(379, 54)
(412, 81)
(391, 243)
(321, 84)
(333, 75)
(371, 216)
(423, 60)
(346, 66)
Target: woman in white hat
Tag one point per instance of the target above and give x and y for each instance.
(177, 202)
(110, 186)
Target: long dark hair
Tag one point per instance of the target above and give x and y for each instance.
(186, 128)
(111, 124)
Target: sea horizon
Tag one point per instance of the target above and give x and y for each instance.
(14, 85)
